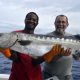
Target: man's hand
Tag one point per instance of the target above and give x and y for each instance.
(65, 52)
(56, 50)
(12, 55)
(5, 52)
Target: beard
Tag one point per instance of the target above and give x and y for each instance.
(30, 26)
(60, 31)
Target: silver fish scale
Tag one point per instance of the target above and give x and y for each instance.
(7, 40)
(47, 40)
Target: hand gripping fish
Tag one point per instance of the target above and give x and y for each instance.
(36, 44)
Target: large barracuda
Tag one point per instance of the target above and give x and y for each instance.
(36, 44)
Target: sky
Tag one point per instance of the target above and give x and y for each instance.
(13, 12)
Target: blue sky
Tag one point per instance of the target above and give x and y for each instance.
(12, 14)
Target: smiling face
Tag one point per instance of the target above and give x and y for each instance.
(61, 24)
(31, 21)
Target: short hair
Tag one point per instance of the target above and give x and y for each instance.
(62, 16)
(32, 13)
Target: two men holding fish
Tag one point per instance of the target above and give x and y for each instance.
(58, 61)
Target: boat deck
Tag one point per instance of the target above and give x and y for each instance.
(4, 76)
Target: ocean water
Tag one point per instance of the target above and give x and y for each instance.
(5, 67)
(5, 64)
(76, 70)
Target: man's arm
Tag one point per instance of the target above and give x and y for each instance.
(12, 55)
(49, 56)
(54, 54)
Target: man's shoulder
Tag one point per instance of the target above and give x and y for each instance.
(54, 34)
(18, 31)
(68, 34)
(50, 34)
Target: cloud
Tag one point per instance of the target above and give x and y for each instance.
(38, 3)
(7, 27)
(75, 8)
